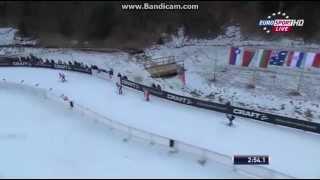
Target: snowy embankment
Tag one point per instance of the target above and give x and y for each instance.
(195, 126)
(8, 36)
(270, 94)
(41, 138)
(272, 89)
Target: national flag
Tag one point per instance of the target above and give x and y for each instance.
(297, 60)
(316, 61)
(235, 56)
(264, 58)
(289, 58)
(309, 59)
(256, 58)
(277, 57)
(247, 57)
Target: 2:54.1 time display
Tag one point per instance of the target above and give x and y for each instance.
(251, 160)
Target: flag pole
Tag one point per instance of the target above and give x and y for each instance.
(300, 80)
(255, 69)
(214, 70)
(254, 78)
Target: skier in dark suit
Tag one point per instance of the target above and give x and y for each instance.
(230, 116)
(110, 73)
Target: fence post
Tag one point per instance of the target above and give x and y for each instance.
(214, 70)
(111, 124)
(129, 132)
(202, 161)
(151, 140)
(300, 81)
(171, 143)
(254, 78)
(172, 146)
(126, 139)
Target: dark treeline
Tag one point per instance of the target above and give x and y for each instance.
(108, 24)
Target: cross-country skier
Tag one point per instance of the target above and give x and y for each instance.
(65, 98)
(146, 94)
(110, 73)
(159, 87)
(71, 104)
(119, 76)
(62, 77)
(119, 86)
(230, 116)
(153, 86)
(120, 89)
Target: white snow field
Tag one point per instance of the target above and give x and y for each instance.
(272, 92)
(43, 138)
(291, 151)
(7, 36)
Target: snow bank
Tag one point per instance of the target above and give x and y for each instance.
(194, 126)
(7, 36)
(47, 140)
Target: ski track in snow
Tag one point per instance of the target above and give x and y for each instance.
(192, 125)
(41, 138)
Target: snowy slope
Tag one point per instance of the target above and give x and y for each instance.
(41, 138)
(271, 94)
(272, 89)
(191, 125)
(7, 36)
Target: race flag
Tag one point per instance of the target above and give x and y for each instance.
(316, 61)
(235, 56)
(296, 60)
(277, 57)
(247, 57)
(264, 58)
(309, 59)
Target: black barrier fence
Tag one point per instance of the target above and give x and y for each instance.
(178, 98)
(25, 62)
(247, 113)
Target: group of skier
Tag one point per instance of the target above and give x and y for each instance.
(62, 77)
(156, 86)
(110, 72)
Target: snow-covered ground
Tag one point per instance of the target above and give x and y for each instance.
(192, 125)
(272, 89)
(42, 138)
(7, 36)
(291, 151)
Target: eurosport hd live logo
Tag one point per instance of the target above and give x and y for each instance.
(280, 22)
